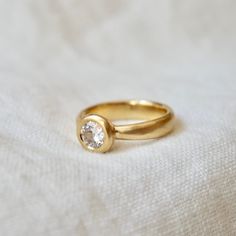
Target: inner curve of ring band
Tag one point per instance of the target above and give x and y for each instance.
(128, 111)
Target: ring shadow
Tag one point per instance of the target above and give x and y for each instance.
(121, 146)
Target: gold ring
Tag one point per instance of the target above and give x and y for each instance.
(96, 130)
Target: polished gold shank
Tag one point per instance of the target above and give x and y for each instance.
(157, 119)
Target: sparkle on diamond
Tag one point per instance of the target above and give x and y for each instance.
(92, 134)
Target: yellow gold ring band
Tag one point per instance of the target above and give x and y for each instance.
(96, 130)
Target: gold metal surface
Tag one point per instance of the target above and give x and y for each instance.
(156, 120)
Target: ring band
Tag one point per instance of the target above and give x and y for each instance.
(97, 132)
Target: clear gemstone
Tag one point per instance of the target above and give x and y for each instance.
(92, 134)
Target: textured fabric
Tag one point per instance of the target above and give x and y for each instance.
(57, 57)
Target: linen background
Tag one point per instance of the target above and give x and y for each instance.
(57, 57)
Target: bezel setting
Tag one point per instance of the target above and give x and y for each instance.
(95, 133)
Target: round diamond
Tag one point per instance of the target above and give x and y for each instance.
(92, 135)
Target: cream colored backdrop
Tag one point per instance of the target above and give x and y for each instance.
(57, 57)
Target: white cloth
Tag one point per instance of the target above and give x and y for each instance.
(57, 57)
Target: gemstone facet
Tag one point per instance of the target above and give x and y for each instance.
(92, 135)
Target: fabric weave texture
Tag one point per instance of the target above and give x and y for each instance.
(58, 57)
